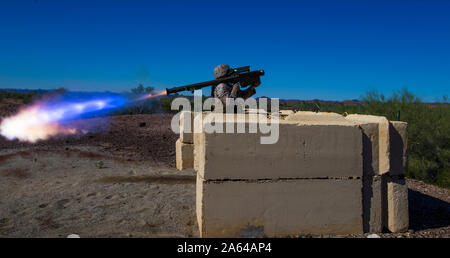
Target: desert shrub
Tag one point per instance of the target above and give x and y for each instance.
(428, 133)
(26, 97)
(147, 106)
(140, 89)
(166, 104)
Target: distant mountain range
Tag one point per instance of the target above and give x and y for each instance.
(351, 101)
(27, 90)
(41, 91)
(85, 93)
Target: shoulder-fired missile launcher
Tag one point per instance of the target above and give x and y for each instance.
(241, 75)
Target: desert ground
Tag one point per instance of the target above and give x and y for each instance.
(55, 188)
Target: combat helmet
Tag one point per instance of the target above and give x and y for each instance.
(221, 70)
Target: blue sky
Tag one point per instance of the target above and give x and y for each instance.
(331, 50)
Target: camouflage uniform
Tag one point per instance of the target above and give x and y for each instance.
(227, 90)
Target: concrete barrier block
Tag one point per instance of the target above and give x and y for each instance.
(255, 111)
(371, 157)
(278, 208)
(286, 112)
(383, 139)
(397, 205)
(199, 201)
(184, 155)
(187, 127)
(373, 204)
(315, 116)
(304, 150)
(199, 150)
(398, 137)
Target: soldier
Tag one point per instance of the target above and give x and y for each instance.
(227, 90)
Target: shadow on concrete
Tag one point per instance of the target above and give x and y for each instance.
(427, 212)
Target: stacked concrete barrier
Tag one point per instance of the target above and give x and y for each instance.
(185, 144)
(327, 174)
(384, 186)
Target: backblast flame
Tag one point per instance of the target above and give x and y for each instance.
(152, 95)
(43, 120)
(30, 125)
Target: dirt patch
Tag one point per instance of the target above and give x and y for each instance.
(93, 155)
(6, 157)
(20, 173)
(90, 155)
(47, 222)
(25, 154)
(67, 154)
(163, 179)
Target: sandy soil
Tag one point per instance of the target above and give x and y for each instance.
(54, 193)
(54, 188)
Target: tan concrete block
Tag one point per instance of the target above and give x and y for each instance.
(199, 201)
(373, 194)
(371, 152)
(199, 150)
(279, 208)
(184, 155)
(187, 127)
(304, 150)
(255, 111)
(315, 116)
(398, 136)
(199, 138)
(286, 112)
(383, 138)
(397, 205)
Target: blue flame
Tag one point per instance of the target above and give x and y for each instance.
(66, 108)
(56, 115)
